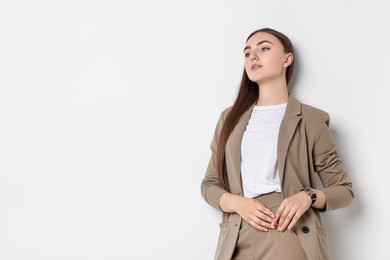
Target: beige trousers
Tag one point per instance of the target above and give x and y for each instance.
(253, 244)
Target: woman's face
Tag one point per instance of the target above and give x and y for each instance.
(265, 58)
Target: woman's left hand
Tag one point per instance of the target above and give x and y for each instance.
(290, 211)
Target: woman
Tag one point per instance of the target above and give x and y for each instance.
(266, 151)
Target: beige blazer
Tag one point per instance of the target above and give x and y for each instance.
(305, 148)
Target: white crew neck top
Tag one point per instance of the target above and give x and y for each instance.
(259, 168)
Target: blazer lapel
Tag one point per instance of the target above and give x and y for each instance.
(288, 125)
(236, 139)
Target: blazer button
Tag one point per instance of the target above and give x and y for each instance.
(305, 229)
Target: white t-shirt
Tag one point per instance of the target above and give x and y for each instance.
(259, 168)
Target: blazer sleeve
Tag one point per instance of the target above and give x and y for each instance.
(211, 187)
(328, 164)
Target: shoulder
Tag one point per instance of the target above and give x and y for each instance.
(309, 114)
(224, 113)
(314, 114)
(222, 118)
(312, 117)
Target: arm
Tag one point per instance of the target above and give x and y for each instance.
(337, 191)
(211, 187)
(328, 164)
(252, 211)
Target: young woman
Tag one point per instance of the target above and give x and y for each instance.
(266, 151)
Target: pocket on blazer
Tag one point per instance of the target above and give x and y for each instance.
(226, 241)
(321, 232)
(322, 242)
(224, 224)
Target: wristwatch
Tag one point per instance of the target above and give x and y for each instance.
(312, 194)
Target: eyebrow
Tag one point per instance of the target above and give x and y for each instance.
(258, 44)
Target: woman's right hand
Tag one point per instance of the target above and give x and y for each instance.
(252, 211)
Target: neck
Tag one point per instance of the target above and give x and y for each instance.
(272, 93)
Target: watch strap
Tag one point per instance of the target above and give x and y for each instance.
(312, 193)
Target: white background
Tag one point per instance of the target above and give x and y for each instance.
(107, 110)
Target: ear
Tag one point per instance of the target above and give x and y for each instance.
(289, 60)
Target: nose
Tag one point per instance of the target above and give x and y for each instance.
(253, 56)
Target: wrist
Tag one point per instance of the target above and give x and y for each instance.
(235, 202)
(312, 194)
(228, 202)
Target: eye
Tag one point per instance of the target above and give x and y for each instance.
(264, 49)
(246, 55)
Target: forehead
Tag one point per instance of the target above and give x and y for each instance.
(262, 36)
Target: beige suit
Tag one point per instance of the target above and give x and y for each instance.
(305, 147)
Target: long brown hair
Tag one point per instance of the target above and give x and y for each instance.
(248, 94)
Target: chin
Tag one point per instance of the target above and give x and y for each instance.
(256, 77)
(257, 80)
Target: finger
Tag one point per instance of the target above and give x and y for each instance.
(261, 222)
(264, 217)
(287, 221)
(295, 219)
(261, 207)
(282, 219)
(264, 223)
(278, 213)
(257, 226)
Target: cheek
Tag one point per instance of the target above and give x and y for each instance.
(275, 65)
(247, 67)
(279, 62)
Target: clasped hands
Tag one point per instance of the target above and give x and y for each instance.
(286, 216)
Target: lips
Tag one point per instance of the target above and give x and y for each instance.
(256, 66)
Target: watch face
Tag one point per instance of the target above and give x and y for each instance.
(310, 190)
(312, 194)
